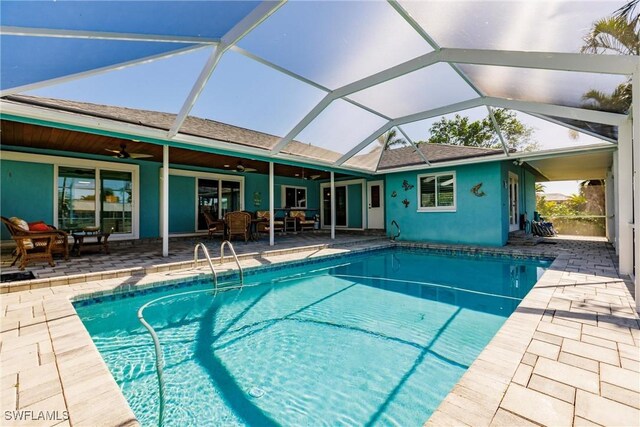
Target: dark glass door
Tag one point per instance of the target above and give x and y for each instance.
(207, 200)
(341, 206)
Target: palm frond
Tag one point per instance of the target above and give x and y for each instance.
(613, 35)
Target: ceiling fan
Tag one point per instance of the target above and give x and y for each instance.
(242, 168)
(311, 177)
(122, 153)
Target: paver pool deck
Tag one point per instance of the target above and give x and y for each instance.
(568, 355)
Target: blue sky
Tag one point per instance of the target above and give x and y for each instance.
(332, 43)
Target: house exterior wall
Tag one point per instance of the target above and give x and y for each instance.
(527, 199)
(27, 191)
(354, 200)
(182, 201)
(481, 220)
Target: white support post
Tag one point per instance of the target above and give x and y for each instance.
(332, 196)
(165, 200)
(616, 231)
(636, 178)
(271, 208)
(609, 208)
(625, 198)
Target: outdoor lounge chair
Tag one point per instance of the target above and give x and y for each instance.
(238, 224)
(214, 226)
(36, 245)
(303, 222)
(263, 225)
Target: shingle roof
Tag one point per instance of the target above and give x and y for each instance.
(393, 158)
(407, 156)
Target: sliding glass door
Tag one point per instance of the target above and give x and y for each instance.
(116, 202)
(217, 197)
(341, 206)
(207, 200)
(76, 198)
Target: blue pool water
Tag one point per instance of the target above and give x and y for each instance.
(373, 339)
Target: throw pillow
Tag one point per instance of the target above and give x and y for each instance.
(22, 224)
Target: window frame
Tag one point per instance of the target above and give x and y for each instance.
(436, 208)
(61, 161)
(283, 196)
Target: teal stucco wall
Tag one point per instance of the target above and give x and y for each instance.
(354, 203)
(477, 220)
(26, 191)
(259, 183)
(24, 182)
(149, 199)
(182, 202)
(527, 200)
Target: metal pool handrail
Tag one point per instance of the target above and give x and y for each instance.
(159, 362)
(158, 348)
(235, 257)
(206, 254)
(397, 235)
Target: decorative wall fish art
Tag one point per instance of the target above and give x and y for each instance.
(394, 193)
(476, 190)
(406, 185)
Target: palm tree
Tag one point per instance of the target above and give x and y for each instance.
(617, 34)
(618, 101)
(389, 139)
(628, 9)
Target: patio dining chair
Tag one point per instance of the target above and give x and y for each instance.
(263, 225)
(238, 224)
(301, 219)
(214, 226)
(38, 243)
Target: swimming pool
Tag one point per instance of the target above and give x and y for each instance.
(378, 338)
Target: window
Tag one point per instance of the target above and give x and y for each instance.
(294, 197)
(437, 192)
(77, 194)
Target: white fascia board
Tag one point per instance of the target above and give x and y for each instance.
(233, 36)
(102, 35)
(500, 157)
(579, 62)
(595, 116)
(96, 71)
(559, 152)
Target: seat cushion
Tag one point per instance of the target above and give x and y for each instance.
(39, 226)
(22, 224)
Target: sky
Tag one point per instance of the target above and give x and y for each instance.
(335, 43)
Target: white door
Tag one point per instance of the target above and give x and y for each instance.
(514, 212)
(375, 197)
